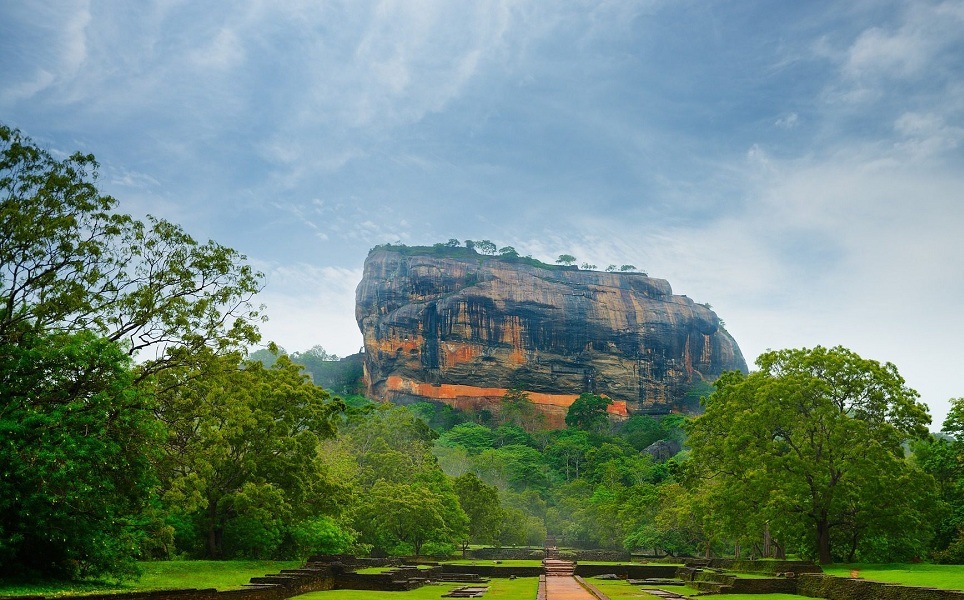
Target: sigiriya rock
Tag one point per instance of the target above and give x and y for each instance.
(453, 326)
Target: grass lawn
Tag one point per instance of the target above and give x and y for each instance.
(947, 577)
(226, 574)
(523, 588)
(620, 590)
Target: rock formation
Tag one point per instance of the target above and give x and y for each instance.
(453, 326)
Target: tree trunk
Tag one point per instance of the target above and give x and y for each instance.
(823, 542)
(214, 537)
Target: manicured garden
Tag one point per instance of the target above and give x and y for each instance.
(947, 577)
(160, 575)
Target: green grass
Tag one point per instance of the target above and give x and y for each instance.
(947, 577)
(523, 588)
(226, 574)
(620, 590)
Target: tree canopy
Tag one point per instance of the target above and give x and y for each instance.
(69, 261)
(805, 447)
(84, 290)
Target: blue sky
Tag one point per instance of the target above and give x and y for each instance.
(799, 165)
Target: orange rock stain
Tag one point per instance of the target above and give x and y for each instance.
(455, 353)
(451, 391)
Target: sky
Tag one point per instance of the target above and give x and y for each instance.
(798, 165)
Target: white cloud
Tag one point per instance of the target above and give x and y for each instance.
(309, 305)
(788, 121)
(908, 51)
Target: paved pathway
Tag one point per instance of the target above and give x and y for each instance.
(566, 588)
(560, 583)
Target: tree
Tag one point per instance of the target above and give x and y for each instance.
(587, 266)
(567, 452)
(508, 252)
(611, 268)
(486, 247)
(70, 262)
(453, 243)
(513, 466)
(942, 456)
(566, 259)
(411, 513)
(588, 412)
(76, 438)
(804, 444)
(241, 456)
(84, 289)
(473, 437)
(517, 408)
(483, 508)
(626, 268)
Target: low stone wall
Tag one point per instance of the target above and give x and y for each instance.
(497, 571)
(628, 571)
(601, 555)
(382, 582)
(840, 588)
(775, 585)
(282, 587)
(771, 567)
(506, 554)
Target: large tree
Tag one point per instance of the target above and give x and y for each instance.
(69, 261)
(83, 290)
(241, 458)
(75, 437)
(588, 412)
(804, 445)
(483, 508)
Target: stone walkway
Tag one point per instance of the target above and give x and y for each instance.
(561, 584)
(566, 588)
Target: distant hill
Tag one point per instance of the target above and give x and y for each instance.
(342, 376)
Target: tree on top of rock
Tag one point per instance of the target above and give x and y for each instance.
(566, 259)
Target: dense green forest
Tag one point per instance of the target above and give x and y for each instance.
(133, 425)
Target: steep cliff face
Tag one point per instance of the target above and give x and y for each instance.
(464, 328)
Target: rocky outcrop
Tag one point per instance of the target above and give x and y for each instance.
(462, 328)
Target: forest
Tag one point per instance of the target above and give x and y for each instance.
(134, 426)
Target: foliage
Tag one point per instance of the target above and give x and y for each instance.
(566, 259)
(340, 375)
(411, 513)
(513, 467)
(806, 444)
(70, 262)
(942, 456)
(516, 408)
(320, 535)
(588, 412)
(473, 437)
(241, 451)
(74, 457)
(482, 507)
